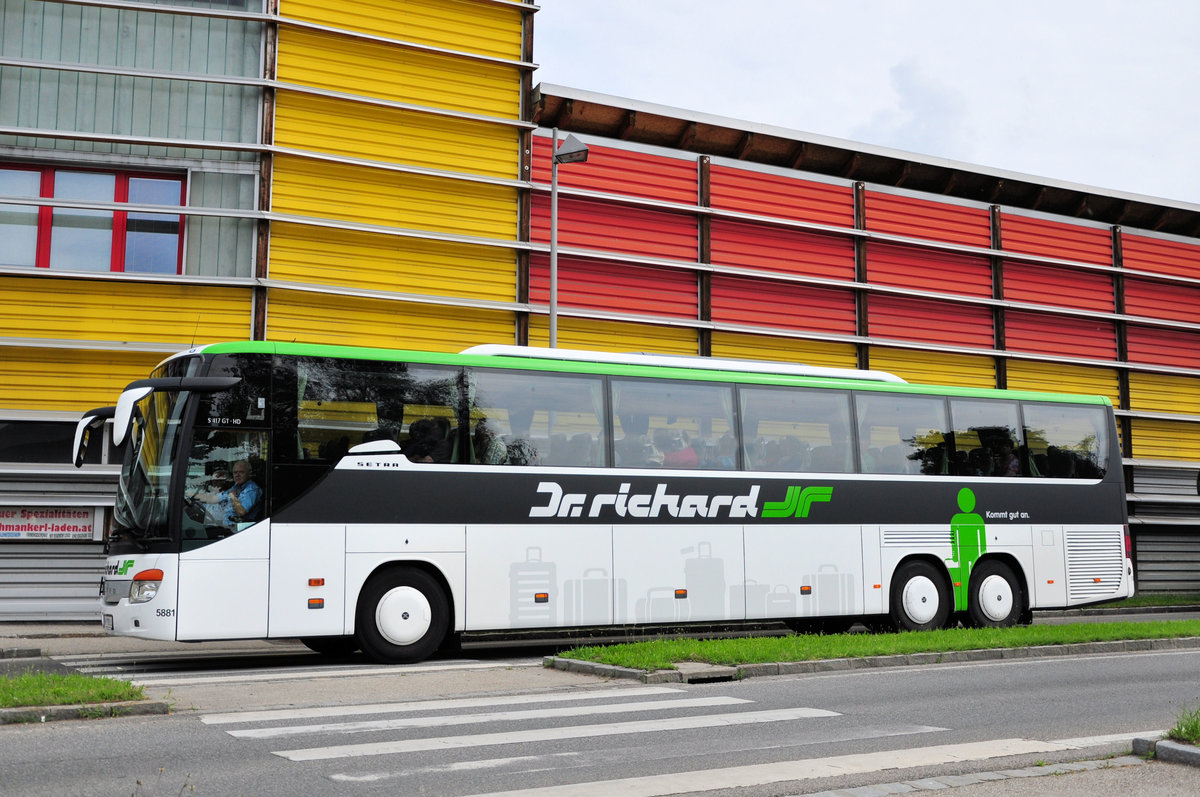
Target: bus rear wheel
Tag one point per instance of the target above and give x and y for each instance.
(403, 616)
(921, 597)
(996, 598)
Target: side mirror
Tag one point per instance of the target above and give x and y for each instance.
(92, 419)
(124, 411)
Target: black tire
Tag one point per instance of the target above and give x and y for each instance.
(997, 598)
(403, 616)
(337, 646)
(921, 599)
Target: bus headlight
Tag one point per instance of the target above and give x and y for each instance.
(145, 585)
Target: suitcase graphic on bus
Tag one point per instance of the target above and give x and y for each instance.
(588, 600)
(832, 593)
(781, 602)
(661, 606)
(748, 600)
(527, 580)
(704, 578)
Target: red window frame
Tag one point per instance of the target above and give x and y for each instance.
(45, 223)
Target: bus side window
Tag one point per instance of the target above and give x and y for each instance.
(901, 434)
(987, 438)
(1067, 442)
(667, 424)
(522, 418)
(790, 430)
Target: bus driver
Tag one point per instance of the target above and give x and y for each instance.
(241, 502)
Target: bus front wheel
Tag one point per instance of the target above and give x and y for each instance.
(996, 598)
(921, 597)
(403, 616)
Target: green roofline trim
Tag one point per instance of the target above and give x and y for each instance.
(632, 370)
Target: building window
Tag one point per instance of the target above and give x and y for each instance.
(82, 239)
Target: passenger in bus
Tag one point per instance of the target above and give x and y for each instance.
(677, 451)
(428, 441)
(521, 450)
(1007, 461)
(241, 502)
(489, 449)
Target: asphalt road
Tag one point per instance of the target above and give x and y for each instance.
(517, 726)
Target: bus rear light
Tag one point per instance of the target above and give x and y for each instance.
(145, 585)
(1128, 543)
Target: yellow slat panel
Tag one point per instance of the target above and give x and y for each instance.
(935, 367)
(68, 380)
(370, 132)
(596, 335)
(384, 262)
(741, 346)
(1163, 393)
(1060, 378)
(1165, 439)
(352, 321)
(480, 28)
(46, 307)
(387, 72)
(374, 196)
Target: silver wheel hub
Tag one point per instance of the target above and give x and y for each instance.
(995, 597)
(403, 615)
(920, 600)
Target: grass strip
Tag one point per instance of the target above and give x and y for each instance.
(661, 654)
(53, 689)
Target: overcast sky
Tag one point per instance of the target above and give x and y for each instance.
(1100, 92)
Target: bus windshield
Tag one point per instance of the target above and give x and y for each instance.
(143, 492)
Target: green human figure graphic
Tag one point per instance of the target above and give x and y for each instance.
(968, 542)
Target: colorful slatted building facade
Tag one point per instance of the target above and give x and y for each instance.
(377, 173)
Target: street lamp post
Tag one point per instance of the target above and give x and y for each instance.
(572, 151)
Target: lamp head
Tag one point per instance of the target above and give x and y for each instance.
(572, 150)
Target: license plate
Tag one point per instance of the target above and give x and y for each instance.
(108, 622)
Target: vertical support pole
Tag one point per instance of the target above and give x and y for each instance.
(554, 239)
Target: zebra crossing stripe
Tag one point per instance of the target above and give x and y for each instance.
(495, 716)
(445, 704)
(807, 769)
(546, 734)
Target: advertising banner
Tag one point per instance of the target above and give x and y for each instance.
(50, 523)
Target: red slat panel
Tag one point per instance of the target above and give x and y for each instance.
(921, 269)
(616, 287)
(747, 245)
(763, 194)
(1061, 335)
(742, 300)
(617, 228)
(1055, 239)
(619, 171)
(1162, 257)
(1061, 287)
(920, 218)
(904, 318)
(1162, 300)
(1163, 346)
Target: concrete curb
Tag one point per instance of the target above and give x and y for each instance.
(694, 672)
(27, 714)
(1167, 750)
